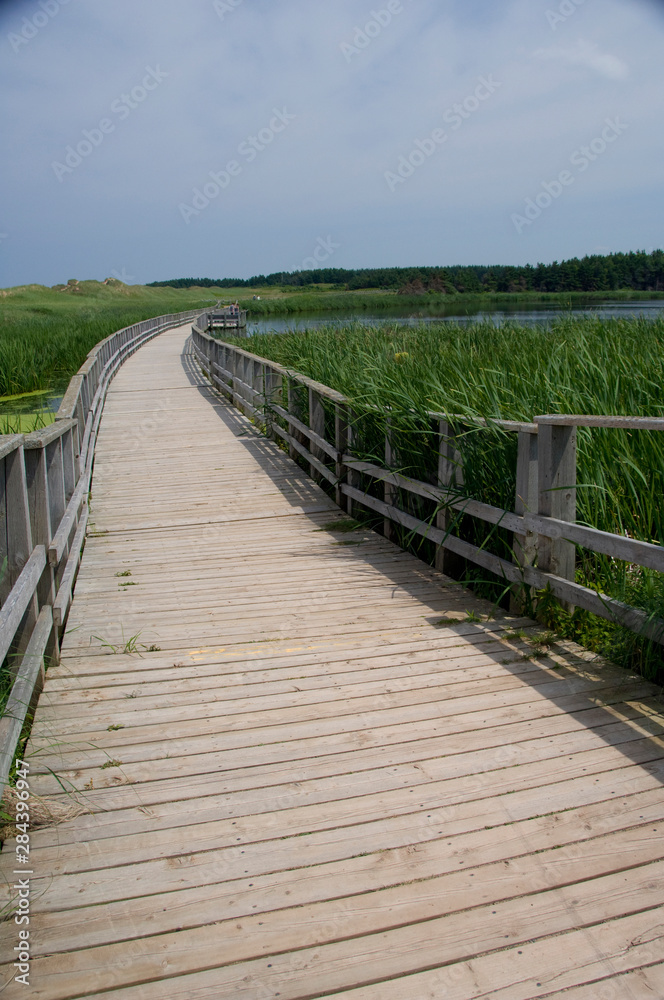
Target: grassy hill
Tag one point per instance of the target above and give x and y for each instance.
(46, 333)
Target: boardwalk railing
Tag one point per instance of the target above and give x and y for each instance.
(44, 486)
(543, 521)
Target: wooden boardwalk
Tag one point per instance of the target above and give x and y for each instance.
(301, 778)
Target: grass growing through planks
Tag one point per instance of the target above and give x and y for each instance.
(578, 365)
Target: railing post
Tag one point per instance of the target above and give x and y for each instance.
(557, 496)
(317, 425)
(450, 474)
(215, 351)
(17, 542)
(40, 506)
(390, 492)
(37, 479)
(354, 477)
(341, 445)
(258, 384)
(273, 394)
(295, 409)
(524, 547)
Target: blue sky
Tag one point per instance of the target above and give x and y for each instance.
(153, 139)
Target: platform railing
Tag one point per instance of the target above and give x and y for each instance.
(44, 486)
(543, 519)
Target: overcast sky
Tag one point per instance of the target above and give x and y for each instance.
(154, 139)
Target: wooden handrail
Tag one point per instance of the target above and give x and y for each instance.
(543, 521)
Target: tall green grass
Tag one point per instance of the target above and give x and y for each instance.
(46, 334)
(579, 365)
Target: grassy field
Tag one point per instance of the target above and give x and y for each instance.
(577, 366)
(45, 334)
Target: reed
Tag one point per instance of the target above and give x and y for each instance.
(46, 334)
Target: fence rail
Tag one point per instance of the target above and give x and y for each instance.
(44, 486)
(543, 521)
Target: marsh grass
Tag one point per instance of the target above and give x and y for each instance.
(578, 365)
(46, 334)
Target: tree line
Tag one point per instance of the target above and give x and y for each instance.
(636, 270)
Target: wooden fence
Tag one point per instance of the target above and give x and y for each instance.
(543, 520)
(44, 486)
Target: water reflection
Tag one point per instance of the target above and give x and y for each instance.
(542, 314)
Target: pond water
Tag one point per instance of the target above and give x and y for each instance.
(30, 411)
(534, 314)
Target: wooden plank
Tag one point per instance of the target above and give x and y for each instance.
(398, 914)
(310, 433)
(591, 834)
(377, 793)
(617, 546)
(299, 706)
(493, 515)
(577, 420)
(416, 720)
(580, 956)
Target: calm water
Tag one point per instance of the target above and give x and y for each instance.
(42, 406)
(543, 314)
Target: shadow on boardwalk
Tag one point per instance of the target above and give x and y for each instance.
(602, 697)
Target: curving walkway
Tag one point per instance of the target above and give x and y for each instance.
(298, 781)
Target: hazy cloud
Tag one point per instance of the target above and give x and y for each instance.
(357, 115)
(588, 56)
